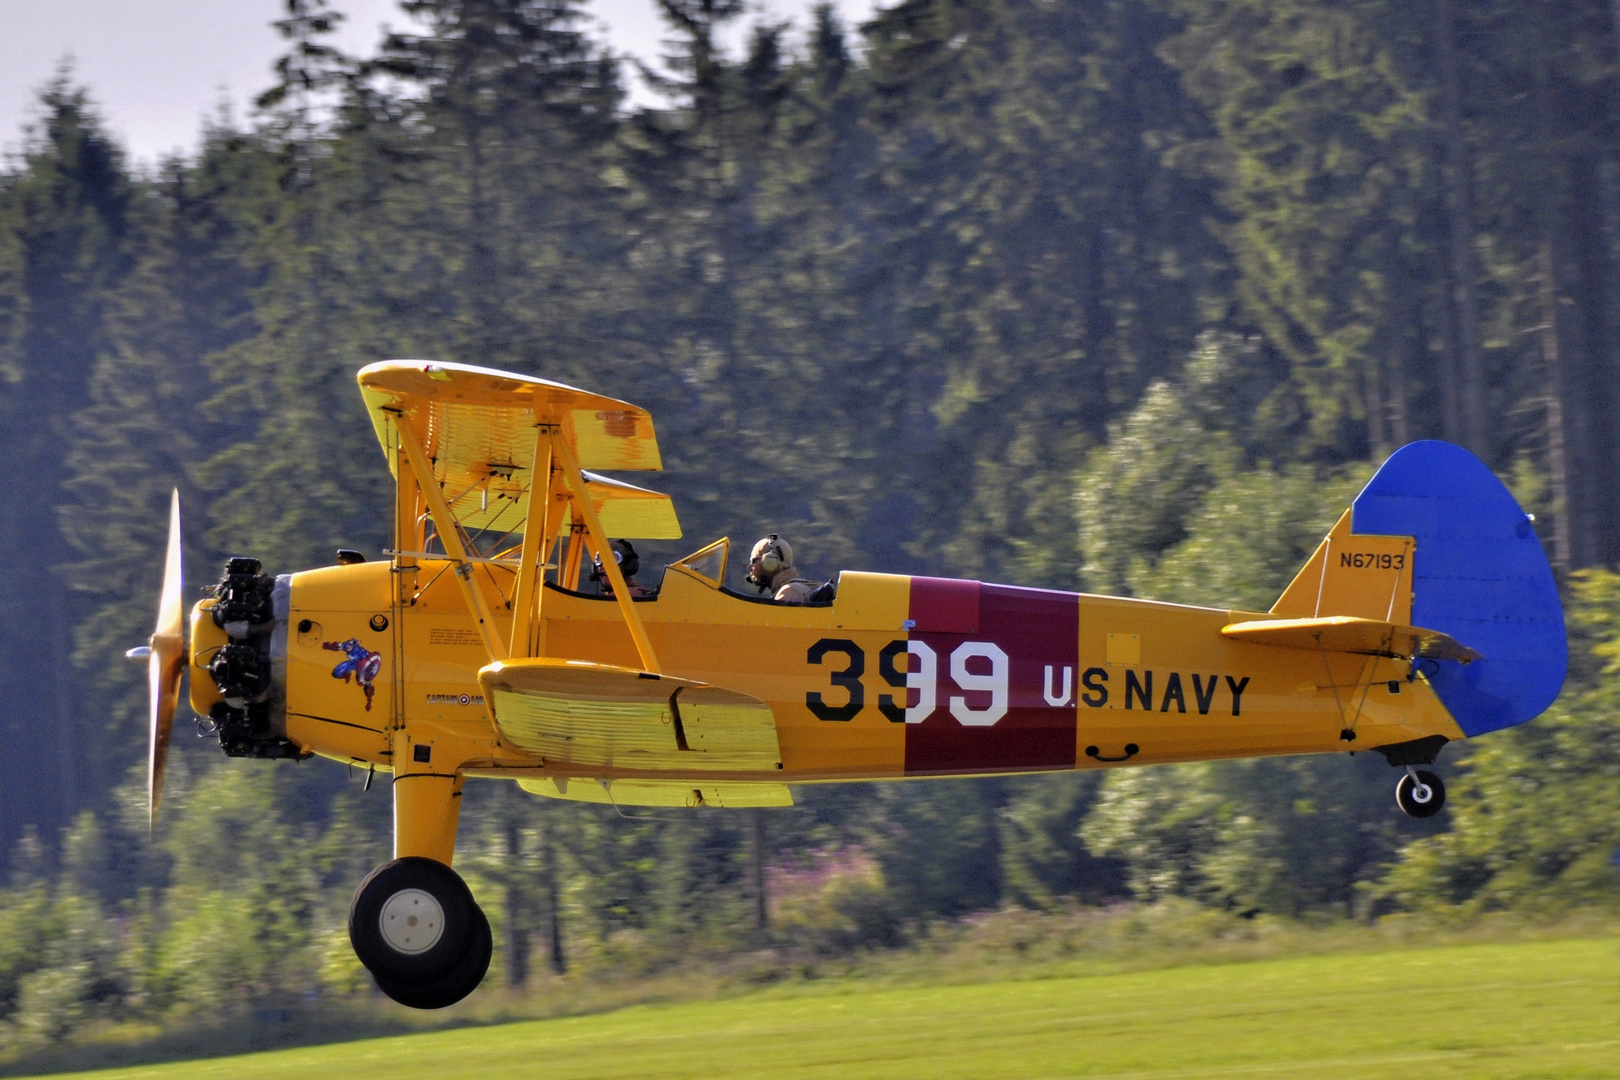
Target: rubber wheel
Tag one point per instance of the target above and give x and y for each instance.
(1417, 803)
(451, 988)
(412, 920)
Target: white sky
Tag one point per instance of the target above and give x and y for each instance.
(157, 67)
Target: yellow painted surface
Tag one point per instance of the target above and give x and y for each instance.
(630, 512)
(427, 809)
(1369, 577)
(1190, 693)
(758, 649)
(206, 640)
(659, 792)
(597, 717)
(478, 427)
(1124, 650)
(1293, 702)
(1346, 633)
(329, 607)
(1153, 682)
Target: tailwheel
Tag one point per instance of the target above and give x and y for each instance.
(415, 926)
(1420, 793)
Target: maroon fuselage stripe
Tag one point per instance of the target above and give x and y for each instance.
(1036, 629)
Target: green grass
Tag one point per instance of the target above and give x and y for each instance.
(1535, 1009)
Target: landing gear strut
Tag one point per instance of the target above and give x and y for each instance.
(1419, 793)
(415, 926)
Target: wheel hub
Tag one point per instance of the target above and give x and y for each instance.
(411, 921)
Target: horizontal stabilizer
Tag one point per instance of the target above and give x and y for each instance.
(1347, 634)
(732, 795)
(602, 717)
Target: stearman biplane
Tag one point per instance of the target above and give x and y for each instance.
(1427, 614)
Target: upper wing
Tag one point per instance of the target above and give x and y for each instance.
(629, 511)
(478, 426)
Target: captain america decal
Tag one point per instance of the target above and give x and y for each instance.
(361, 664)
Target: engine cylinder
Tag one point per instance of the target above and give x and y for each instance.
(242, 673)
(243, 598)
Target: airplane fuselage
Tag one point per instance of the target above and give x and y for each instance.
(897, 677)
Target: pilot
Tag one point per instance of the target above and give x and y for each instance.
(770, 567)
(625, 555)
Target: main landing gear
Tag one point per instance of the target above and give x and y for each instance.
(416, 928)
(1419, 793)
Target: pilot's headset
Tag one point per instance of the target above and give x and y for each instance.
(773, 553)
(624, 555)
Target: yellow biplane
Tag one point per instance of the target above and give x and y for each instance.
(1428, 614)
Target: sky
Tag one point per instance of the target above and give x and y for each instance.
(156, 68)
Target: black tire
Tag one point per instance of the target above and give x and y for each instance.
(1413, 801)
(403, 891)
(451, 988)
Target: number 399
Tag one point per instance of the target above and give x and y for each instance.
(976, 667)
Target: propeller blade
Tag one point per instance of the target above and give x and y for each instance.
(166, 662)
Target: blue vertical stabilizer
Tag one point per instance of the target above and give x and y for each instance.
(1480, 575)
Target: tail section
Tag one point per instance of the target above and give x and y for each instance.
(1435, 540)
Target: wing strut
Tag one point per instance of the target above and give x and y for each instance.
(555, 475)
(450, 536)
(568, 576)
(610, 565)
(536, 532)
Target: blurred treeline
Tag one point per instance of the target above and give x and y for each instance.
(1122, 296)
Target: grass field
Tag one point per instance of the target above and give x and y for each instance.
(1538, 1009)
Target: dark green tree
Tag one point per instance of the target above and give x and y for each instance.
(1535, 816)
(66, 214)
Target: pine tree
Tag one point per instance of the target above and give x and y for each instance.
(144, 428)
(1045, 264)
(67, 215)
(1322, 119)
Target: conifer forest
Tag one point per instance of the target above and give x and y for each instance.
(1121, 296)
